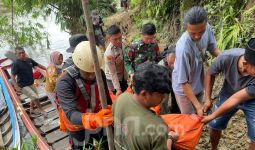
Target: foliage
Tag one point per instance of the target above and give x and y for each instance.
(159, 10)
(161, 13)
(29, 144)
(97, 144)
(232, 22)
(19, 32)
(68, 14)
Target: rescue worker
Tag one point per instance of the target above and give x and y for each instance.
(145, 49)
(136, 127)
(188, 73)
(114, 62)
(78, 95)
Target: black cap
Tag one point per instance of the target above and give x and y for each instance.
(75, 40)
(249, 54)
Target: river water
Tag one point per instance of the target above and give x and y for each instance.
(59, 40)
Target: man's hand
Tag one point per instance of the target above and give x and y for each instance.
(207, 119)
(118, 92)
(101, 119)
(207, 105)
(174, 136)
(199, 110)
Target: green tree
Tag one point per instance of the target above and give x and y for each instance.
(232, 22)
(68, 13)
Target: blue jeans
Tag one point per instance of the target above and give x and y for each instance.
(247, 107)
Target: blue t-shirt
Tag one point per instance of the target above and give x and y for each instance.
(24, 71)
(188, 65)
(227, 63)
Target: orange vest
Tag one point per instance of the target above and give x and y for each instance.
(82, 106)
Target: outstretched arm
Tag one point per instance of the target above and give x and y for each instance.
(237, 98)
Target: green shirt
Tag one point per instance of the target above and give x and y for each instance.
(139, 52)
(137, 128)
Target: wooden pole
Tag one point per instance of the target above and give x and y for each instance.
(85, 6)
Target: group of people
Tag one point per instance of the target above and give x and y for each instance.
(176, 83)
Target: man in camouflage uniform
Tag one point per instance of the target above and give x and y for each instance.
(140, 51)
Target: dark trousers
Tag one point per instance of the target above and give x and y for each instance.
(84, 139)
(169, 105)
(123, 85)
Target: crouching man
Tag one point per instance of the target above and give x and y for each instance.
(135, 125)
(238, 91)
(78, 95)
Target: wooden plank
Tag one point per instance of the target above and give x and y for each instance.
(8, 139)
(1, 141)
(6, 128)
(51, 114)
(47, 110)
(55, 136)
(40, 121)
(50, 126)
(22, 97)
(28, 100)
(44, 103)
(4, 118)
(62, 144)
(3, 111)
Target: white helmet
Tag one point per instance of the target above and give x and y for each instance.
(82, 57)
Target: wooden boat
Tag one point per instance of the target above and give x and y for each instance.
(9, 127)
(45, 129)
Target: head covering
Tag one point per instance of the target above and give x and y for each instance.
(82, 57)
(75, 40)
(249, 54)
(54, 57)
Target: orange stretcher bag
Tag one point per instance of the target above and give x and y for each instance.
(114, 97)
(187, 126)
(129, 90)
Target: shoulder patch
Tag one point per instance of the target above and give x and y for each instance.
(109, 58)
